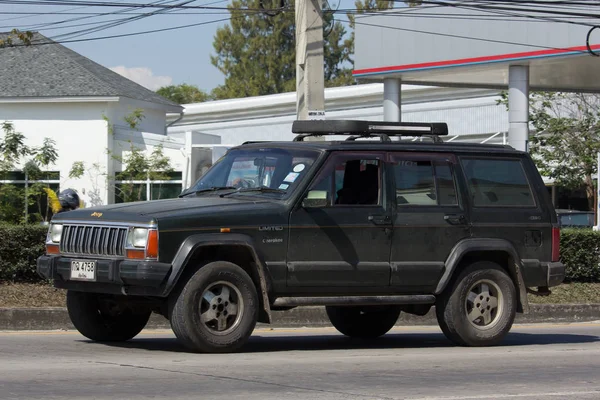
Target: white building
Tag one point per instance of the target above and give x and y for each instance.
(47, 90)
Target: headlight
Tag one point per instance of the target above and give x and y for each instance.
(55, 233)
(138, 237)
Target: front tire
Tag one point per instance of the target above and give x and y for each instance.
(363, 322)
(479, 307)
(217, 309)
(102, 320)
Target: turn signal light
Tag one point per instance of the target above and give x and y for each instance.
(136, 254)
(52, 249)
(152, 244)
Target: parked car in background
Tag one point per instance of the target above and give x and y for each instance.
(575, 218)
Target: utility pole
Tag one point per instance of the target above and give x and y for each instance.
(310, 71)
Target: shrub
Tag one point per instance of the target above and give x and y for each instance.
(580, 252)
(20, 246)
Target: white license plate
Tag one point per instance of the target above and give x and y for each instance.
(83, 270)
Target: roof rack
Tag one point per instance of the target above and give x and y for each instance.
(366, 129)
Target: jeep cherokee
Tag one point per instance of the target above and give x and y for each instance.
(368, 224)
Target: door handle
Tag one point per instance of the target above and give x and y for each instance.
(380, 219)
(455, 219)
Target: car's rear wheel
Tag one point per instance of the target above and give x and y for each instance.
(479, 307)
(217, 309)
(103, 319)
(363, 321)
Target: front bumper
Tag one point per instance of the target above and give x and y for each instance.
(112, 276)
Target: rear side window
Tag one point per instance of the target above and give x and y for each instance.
(497, 183)
(423, 183)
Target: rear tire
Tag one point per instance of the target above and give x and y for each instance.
(217, 309)
(99, 319)
(479, 307)
(364, 322)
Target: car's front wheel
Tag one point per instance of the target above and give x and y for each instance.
(363, 321)
(217, 309)
(103, 319)
(479, 307)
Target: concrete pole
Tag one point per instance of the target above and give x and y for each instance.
(392, 97)
(518, 107)
(310, 70)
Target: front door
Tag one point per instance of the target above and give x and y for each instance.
(429, 220)
(344, 241)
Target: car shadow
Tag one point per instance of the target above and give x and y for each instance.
(261, 343)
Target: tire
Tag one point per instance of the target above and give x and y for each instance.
(217, 309)
(104, 321)
(481, 286)
(365, 322)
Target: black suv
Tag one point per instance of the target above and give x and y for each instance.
(368, 224)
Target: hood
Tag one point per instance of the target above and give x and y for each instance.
(148, 211)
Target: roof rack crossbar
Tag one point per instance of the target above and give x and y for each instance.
(382, 136)
(307, 128)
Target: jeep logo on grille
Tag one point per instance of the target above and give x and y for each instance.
(96, 214)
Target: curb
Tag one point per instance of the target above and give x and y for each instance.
(57, 318)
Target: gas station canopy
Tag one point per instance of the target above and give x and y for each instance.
(463, 47)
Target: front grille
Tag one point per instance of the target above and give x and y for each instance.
(93, 240)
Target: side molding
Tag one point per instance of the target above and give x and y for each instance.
(481, 244)
(195, 242)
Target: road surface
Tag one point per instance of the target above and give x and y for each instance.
(410, 363)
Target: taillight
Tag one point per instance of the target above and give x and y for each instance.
(555, 244)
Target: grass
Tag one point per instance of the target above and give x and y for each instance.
(42, 295)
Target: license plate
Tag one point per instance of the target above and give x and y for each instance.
(83, 270)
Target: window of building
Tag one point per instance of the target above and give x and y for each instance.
(424, 183)
(497, 183)
(142, 190)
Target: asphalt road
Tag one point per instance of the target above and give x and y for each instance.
(535, 362)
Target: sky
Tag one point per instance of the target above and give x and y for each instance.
(153, 60)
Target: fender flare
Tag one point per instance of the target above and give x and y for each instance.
(195, 242)
(466, 246)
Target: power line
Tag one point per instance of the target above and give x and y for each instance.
(49, 42)
(115, 23)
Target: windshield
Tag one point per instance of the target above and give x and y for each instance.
(262, 168)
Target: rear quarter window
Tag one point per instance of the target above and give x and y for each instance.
(497, 182)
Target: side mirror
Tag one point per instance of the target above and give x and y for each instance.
(316, 199)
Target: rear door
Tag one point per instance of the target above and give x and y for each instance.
(429, 219)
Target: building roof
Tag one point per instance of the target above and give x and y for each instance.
(49, 69)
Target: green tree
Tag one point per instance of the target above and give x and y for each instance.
(141, 167)
(12, 150)
(45, 156)
(183, 94)
(565, 140)
(256, 52)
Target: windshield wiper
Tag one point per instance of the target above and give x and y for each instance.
(262, 189)
(210, 189)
